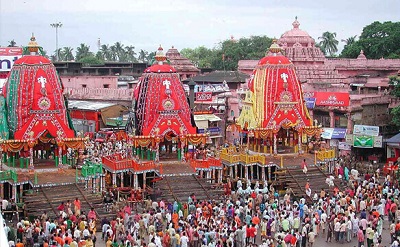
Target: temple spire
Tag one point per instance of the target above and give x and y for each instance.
(275, 48)
(160, 56)
(296, 23)
(33, 46)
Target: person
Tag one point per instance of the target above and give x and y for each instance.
(77, 207)
(304, 166)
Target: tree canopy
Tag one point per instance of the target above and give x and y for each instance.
(377, 40)
(395, 112)
(226, 55)
(328, 43)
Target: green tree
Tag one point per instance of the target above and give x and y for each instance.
(329, 43)
(130, 53)
(200, 56)
(143, 56)
(105, 52)
(377, 40)
(90, 60)
(67, 54)
(12, 43)
(83, 51)
(395, 112)
(349, 40)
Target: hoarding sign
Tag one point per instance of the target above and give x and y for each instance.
(378, 142)
(204, 96)
(349, 139)
(363, 141)
(327, 133)
(366, 130)
(8, 55)
(339, 133)
(310, 103)
(332, 99)
(344, 146)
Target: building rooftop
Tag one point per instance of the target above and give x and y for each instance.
(88, 105)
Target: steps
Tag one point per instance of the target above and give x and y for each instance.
(49, 198)
(295, 179)
(179, 187)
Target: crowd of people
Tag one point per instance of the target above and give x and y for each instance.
(250, 217)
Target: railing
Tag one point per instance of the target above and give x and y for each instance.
(116, 162)
(91, 169)
(232, 156)
(7, 175)
(205, 164)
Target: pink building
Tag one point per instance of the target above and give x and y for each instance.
(366, 80)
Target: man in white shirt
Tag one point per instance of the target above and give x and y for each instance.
(184, 240)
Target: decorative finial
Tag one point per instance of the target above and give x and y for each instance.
(296, 23)
(160, 56)
(173, 47)
(275, 48)
(33, 46)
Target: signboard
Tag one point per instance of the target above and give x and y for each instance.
(349, 139)
(363, 141)
(327, 133)
(366, 130)
(310, 103)
(339, 133)
(344, 146)
(378, 142)
(214, 130)
(8, 55)
(204, 96)
(332, 99)
(216, 88)
(333, 133)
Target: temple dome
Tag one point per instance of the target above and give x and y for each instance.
(160, 65)
(296, 37)
(32, 60)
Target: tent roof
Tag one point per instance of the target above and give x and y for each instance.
(394, 139)
(88, 105)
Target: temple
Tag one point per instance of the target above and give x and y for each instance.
(161, 118)
(274, 111)
(183, 66)
(34, 115)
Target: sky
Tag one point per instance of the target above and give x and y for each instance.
(146, 24)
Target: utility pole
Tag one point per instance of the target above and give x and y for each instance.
(56, 25)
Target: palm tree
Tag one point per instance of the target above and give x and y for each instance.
(12, 43)
(113, 53)
(130, 53)
(150, 56)
(83, 51)
(143, 55)
(350, 40)
(58, 54)
(106, 52)
(119, 51)
(329, 43)
(67, 54)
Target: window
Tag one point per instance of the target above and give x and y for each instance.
(84, 85)
(106, 85)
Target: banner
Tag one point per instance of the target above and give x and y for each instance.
(327, 133)
(339, 133)
(366, 130)
(204, 96)
(378, 142)
(310, 103)
(8, 55)
(332, 99)
(349, 139)
(363, 141)
(344, 146)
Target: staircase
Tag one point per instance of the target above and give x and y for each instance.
(49, 198)
(180, 187)
(295, 179)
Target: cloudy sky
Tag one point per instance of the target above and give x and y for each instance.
(146, 24)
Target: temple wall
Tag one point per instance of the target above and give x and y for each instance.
(105, 94)
(89, 81)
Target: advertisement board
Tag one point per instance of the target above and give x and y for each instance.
(310, 103)
(327, 133)
(363, 141)
(344, 146)
(204, 96)
(349, 139)
(378, 142)
(8, 55)
(366, 130)
(332, 99)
